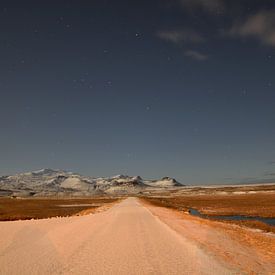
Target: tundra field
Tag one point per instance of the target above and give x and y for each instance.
(149, 232)
(225, 202)
(40, 208)
(251, 201)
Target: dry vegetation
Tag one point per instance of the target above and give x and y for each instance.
(24, 209)
(259, 204)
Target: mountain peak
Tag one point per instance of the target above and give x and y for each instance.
(47, 182)
(46, 171)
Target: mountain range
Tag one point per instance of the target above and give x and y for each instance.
(49, 182)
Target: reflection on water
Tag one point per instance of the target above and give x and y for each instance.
(269, 221)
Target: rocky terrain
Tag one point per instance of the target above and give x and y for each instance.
(49, 182)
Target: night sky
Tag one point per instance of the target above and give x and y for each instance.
(182, 88)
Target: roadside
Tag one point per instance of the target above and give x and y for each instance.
(41, 208)
(261, 204)
(252, 251)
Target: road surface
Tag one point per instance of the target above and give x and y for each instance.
(126, 239)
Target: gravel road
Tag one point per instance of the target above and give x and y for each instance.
(126, 239)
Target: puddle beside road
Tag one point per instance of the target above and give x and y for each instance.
(269, 221)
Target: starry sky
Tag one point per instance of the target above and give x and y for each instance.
(180, 88)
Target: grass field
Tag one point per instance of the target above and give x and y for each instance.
(24, 209)
(258, 204)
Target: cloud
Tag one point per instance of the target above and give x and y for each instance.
(210, 6)
(181, 36)
(260, 26)
(196, 55)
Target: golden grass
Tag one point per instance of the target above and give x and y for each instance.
(30, 208)
(261, 204)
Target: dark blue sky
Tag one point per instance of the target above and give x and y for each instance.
(153, 88)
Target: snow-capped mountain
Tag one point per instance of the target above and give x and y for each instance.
(165, 182)
(49, 182)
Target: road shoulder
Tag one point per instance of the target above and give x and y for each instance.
(249, 250)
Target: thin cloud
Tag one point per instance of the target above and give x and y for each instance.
(196, 55)
(260, 26)
(180, 36)
(211, 6)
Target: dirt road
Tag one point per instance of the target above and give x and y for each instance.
(126, 239)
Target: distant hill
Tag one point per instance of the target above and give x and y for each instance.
(165, 182)
(49, 182)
